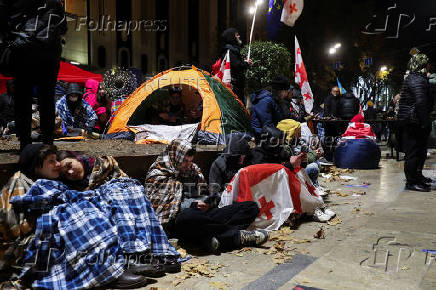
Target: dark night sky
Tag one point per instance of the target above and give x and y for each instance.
(324, 23)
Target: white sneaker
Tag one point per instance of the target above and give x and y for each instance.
(329, 212)
(320, 191)
(319, 216)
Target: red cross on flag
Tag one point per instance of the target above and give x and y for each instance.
(301, 78)
(277, 191)
(224, 73)
(292, 9)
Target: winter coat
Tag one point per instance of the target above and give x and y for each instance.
(370, 114)
(331, 105)
(237, 63)
(265, 111)
(415, 102)
(6, 108)
(227, 164)
(432, 80)
(37, 24)
(91, 98)
(348, 107)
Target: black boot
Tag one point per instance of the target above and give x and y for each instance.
(129, 281)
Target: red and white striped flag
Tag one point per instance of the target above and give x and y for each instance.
(301, 78)
(292, 9)
(277, 191)
(224, 73)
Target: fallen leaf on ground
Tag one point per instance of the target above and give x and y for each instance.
(199, 267)
(405, 268)
(282, 234)
(182, 253)
(341, 194)
(334, 221)
(355, 210)
(303, 241)
(319, 234)
(369, 213)
(218, 285)
(355, 193)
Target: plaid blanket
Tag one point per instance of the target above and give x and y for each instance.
(15, 229)
(81, 237)
(105, 169)
(164, 187)
(85, 118)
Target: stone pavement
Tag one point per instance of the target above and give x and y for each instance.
(386, 240)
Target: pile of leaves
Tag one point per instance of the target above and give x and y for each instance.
(197, 268)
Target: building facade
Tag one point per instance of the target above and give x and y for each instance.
(151, 35)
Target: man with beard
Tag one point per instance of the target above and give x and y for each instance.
(232, 42)
(75, 112)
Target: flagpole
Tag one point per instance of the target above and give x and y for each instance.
(252, 29)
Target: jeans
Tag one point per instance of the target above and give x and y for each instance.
(313, 171)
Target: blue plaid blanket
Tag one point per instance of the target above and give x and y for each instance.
(81, 237)
(84, 119)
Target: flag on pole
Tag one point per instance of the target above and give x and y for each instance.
(341, 88)
(292, 9)
(224, 73)
(274, 15)
(277, 190)
(301, 78)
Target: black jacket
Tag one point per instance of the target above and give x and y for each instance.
(237, 63)
(415, 102)
(6, 109)
(227, 164)
(370, 114)
(37, 24)
(270, 153)
(331, 105)
(348, 107)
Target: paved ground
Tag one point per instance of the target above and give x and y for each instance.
(381, 243)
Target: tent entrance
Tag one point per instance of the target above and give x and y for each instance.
(159, 106)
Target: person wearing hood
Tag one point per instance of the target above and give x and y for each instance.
(415, 107)
(95, 96)
(266, 108)
(272, 150)
(232, 42)
(179, 195)
(229, 162)
(7, 106)
(75, 112)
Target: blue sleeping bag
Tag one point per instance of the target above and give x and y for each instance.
(357, 154)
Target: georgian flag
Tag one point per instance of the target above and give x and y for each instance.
(301, 78)
(292, 9)
(224, 73)
(277, 191)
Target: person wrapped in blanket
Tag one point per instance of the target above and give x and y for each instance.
(78, 117)
(272, 150)
(180, 197)
(109, 236)
(16, 229)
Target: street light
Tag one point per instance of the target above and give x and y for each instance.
(383, 68)
(252, 10)
(338, 45)
(332, 50)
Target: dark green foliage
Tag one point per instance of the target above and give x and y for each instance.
(269, 60)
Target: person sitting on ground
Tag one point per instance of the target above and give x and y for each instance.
(179, 194)
(96, 97)
(75, 112)
(266, 110)
(36, 161)
(229, 162)
(273, 151)
(152, 254)
(297, 111)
